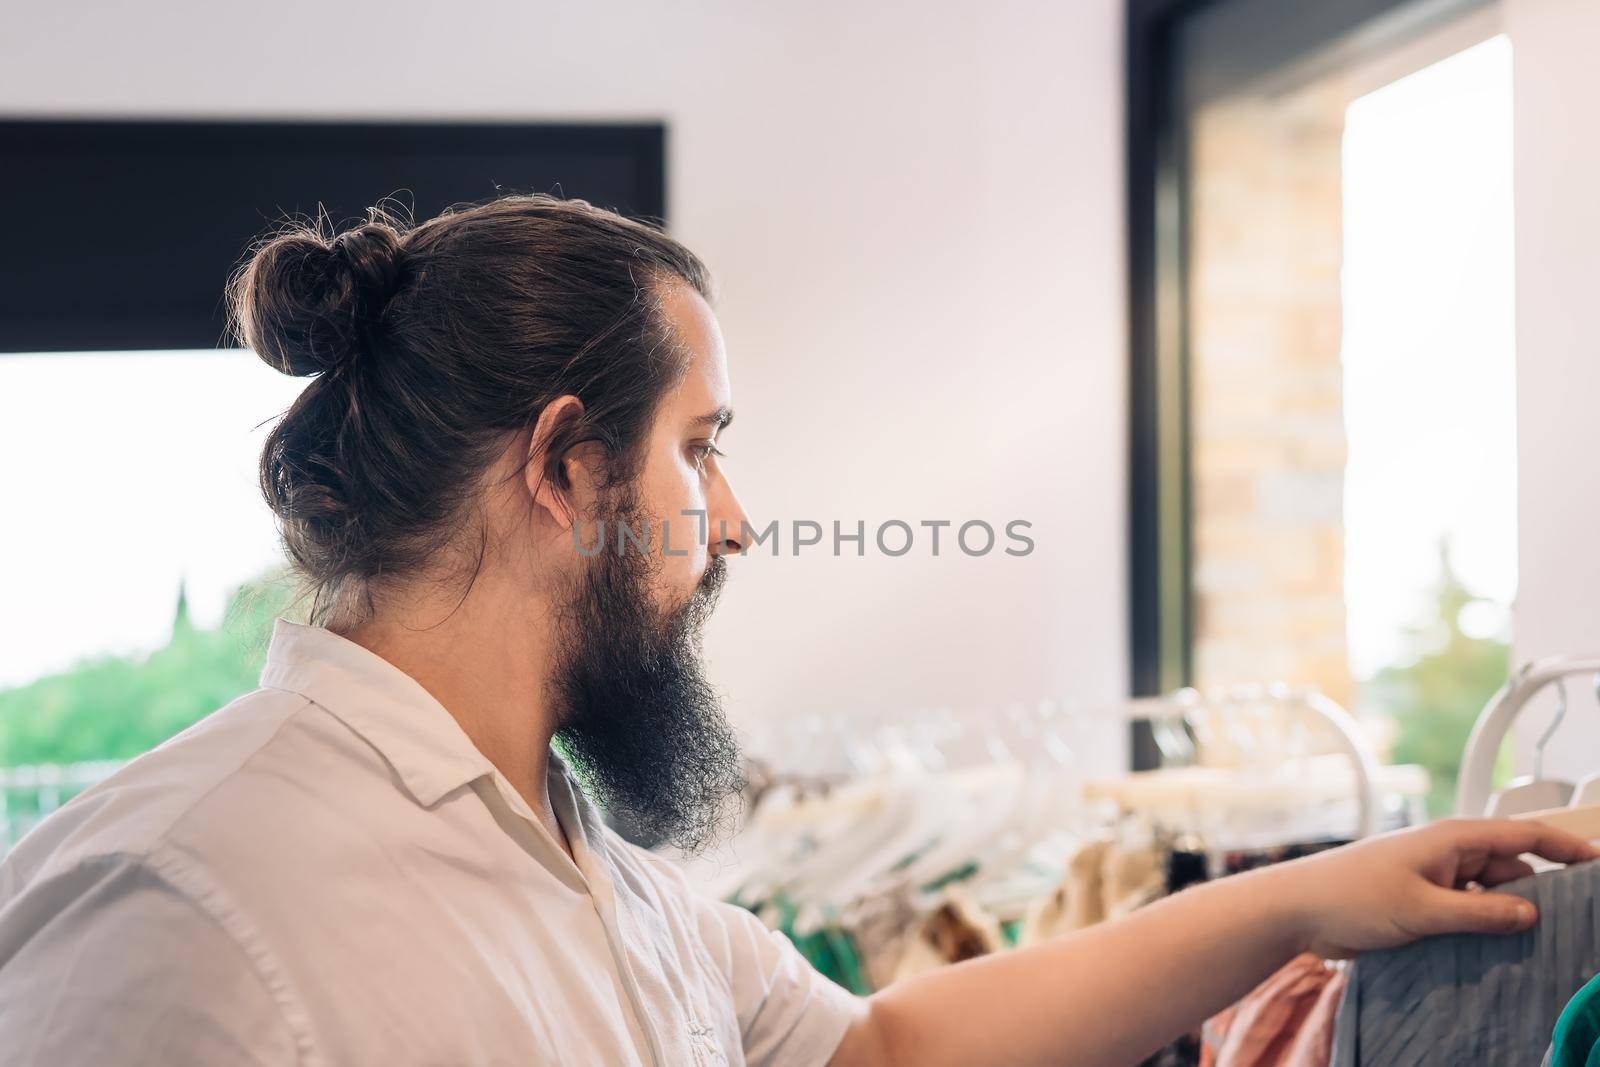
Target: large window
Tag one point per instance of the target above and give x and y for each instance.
(1324, 452)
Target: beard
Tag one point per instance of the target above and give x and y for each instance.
(640, 724)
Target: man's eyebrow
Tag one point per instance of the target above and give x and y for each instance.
(719, 418)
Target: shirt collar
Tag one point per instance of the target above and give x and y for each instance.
(384, 705)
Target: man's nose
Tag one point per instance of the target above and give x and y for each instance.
(728, 525)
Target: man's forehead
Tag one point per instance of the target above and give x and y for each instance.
(690, 318)
(704, 390)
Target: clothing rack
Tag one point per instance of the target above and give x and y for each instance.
(856, 805)
(1240, 778)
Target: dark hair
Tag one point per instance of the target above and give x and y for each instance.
(431, 344)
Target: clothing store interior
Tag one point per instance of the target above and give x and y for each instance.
(1164, 429)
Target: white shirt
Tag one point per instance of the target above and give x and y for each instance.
(327, 871)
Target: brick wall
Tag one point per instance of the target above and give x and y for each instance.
(1268, 432)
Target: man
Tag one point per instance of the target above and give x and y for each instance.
(504, 492)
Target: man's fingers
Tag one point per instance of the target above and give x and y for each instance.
(1503, 869)
(1512, 837)
(1452, 911)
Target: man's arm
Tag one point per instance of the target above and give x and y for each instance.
(1110, 995)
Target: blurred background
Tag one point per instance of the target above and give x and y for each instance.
(1272, 318)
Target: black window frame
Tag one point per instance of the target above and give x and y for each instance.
(636, 150)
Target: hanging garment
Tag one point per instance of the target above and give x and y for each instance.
(1186, 867)
(880, 925)
(1476, 998)
(1286, 1021)
(1132, 878)
(958, 929)
(1576, 1041)
(1103, 881)
(1237, 861)
(1078, 901)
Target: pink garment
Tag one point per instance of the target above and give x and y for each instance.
(1286, 1021)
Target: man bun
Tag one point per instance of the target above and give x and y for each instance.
(309, 303)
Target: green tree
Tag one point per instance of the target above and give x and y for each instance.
(1436, 693)
(115, 707)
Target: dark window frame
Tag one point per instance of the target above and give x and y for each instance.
(1160, 605)
(632, 155)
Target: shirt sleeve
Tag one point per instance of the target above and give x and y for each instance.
(108, 962)
(790, 1014)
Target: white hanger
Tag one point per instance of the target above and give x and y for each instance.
(1582, 815)
(913, 818)
(1234, 722)
(1582, 822)
(1475, 783)
(1536, 792)
(1588, 791)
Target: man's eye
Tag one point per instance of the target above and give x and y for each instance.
(705, 450)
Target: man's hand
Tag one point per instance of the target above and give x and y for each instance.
(1394, 888)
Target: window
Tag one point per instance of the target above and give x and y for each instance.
(1324, 449)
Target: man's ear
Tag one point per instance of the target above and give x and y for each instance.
(565, 489)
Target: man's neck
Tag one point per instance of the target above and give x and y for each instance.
(492, 678)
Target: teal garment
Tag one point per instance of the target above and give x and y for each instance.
(1576, 1042)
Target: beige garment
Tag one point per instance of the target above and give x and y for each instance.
(1103, 881)
(1132, 878)
(957, 929)
(881, 926)
(1077, 902)
(327, 871)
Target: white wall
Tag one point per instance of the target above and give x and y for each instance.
(914, 211)
(1557, 153)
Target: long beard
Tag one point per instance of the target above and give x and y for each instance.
(641, 725)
